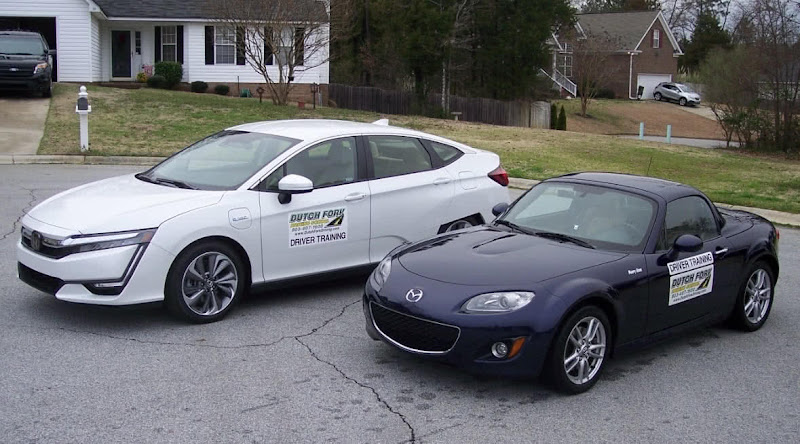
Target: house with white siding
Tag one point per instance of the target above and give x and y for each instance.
(114, 40)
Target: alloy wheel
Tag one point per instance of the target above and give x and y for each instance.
(209, 283)
(758, 295)
(584, 351)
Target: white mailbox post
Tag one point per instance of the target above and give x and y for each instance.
(83, 109)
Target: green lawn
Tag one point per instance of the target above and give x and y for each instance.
(150, 122)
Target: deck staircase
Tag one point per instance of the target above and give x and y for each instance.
(560, 81)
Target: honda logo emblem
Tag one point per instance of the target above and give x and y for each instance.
(414, 295)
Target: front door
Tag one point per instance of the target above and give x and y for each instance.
(688, 285)
(121, 54)
(324, 230)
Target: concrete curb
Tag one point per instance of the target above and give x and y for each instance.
(778, 217)
(33, 159)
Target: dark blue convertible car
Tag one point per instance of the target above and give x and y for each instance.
(579, 266)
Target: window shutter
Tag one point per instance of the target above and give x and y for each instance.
(268, 37)
(240, 60)
(299, 46)
(180, 44)
(209, 45)
(158, 44)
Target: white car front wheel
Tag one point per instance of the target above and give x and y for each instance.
(205, 282)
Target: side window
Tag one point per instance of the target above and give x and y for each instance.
(394, 156)
(325, 164)
(447, 153)
(688, 215)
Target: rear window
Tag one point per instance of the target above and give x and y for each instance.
(21, 45)
(447, 153)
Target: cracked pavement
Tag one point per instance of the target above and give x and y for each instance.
(295, 365)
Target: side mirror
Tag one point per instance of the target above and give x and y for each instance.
(685, 243)
(499, 208)
(293, 184)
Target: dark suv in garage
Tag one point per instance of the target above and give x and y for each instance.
(26, 62)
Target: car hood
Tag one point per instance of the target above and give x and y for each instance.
(490, 256)
(119, 204)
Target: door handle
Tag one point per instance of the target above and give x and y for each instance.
(354, 197)
(441, 181)
(721, 252)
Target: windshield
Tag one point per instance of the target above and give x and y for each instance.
(602, 217)
(21, 45)
(222, 161)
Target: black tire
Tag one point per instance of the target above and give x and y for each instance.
(682, 101)
(216, 285)
(47, 93)
(657, 96)
(758, 283)
(556, 366)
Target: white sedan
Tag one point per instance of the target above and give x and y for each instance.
(250, 205)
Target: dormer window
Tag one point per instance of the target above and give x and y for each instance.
(656, 38)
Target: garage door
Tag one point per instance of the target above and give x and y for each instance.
(46, 26)
(649, 81)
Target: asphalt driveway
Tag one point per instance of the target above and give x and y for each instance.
(22, 123)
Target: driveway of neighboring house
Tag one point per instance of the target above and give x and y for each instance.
(21, 123)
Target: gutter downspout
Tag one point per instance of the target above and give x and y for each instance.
(630, 78)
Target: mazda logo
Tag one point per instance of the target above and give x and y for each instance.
(36, 240)
(414, 295)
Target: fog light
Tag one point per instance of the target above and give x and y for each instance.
(499, 350)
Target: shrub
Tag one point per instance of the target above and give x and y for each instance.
(553, 115)
(562, 120)
(222, 90)
(171, 71)
(605, 93)
(157, 81)
(141, 77)
(199, 86)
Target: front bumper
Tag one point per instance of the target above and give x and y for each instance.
(139, 271)
(36, 82)
(472, 340)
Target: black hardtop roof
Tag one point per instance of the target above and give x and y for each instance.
(666, 189)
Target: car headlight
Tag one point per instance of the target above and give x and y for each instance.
(91, 242)
(40, 67)
(500, 302)
(381, 273)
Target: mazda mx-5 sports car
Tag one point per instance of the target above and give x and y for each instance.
(578, 267)
(254, 204)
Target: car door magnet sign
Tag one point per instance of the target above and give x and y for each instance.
(317, 227)
(690, 277)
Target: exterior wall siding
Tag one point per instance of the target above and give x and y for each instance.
(96, 50)
(73, 39)
(195, 59)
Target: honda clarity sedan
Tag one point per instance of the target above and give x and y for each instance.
(251, 205)
(580, 266)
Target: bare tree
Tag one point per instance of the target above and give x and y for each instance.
(279, 39)
(592, 65)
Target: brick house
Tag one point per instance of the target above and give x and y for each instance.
(646, 53)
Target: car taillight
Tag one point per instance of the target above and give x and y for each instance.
(499, 175)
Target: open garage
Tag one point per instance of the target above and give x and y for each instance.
(46, 26)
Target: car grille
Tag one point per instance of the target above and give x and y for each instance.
(21, 73)
(39, 281)
(45, 247)
(413, 333)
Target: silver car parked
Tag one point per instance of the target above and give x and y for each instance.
(677, 92)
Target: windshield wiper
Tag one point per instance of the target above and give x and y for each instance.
(513, 226)
(162, 181)
(175, 183)
(564, 238)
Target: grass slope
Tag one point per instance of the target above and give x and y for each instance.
(150, 122)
